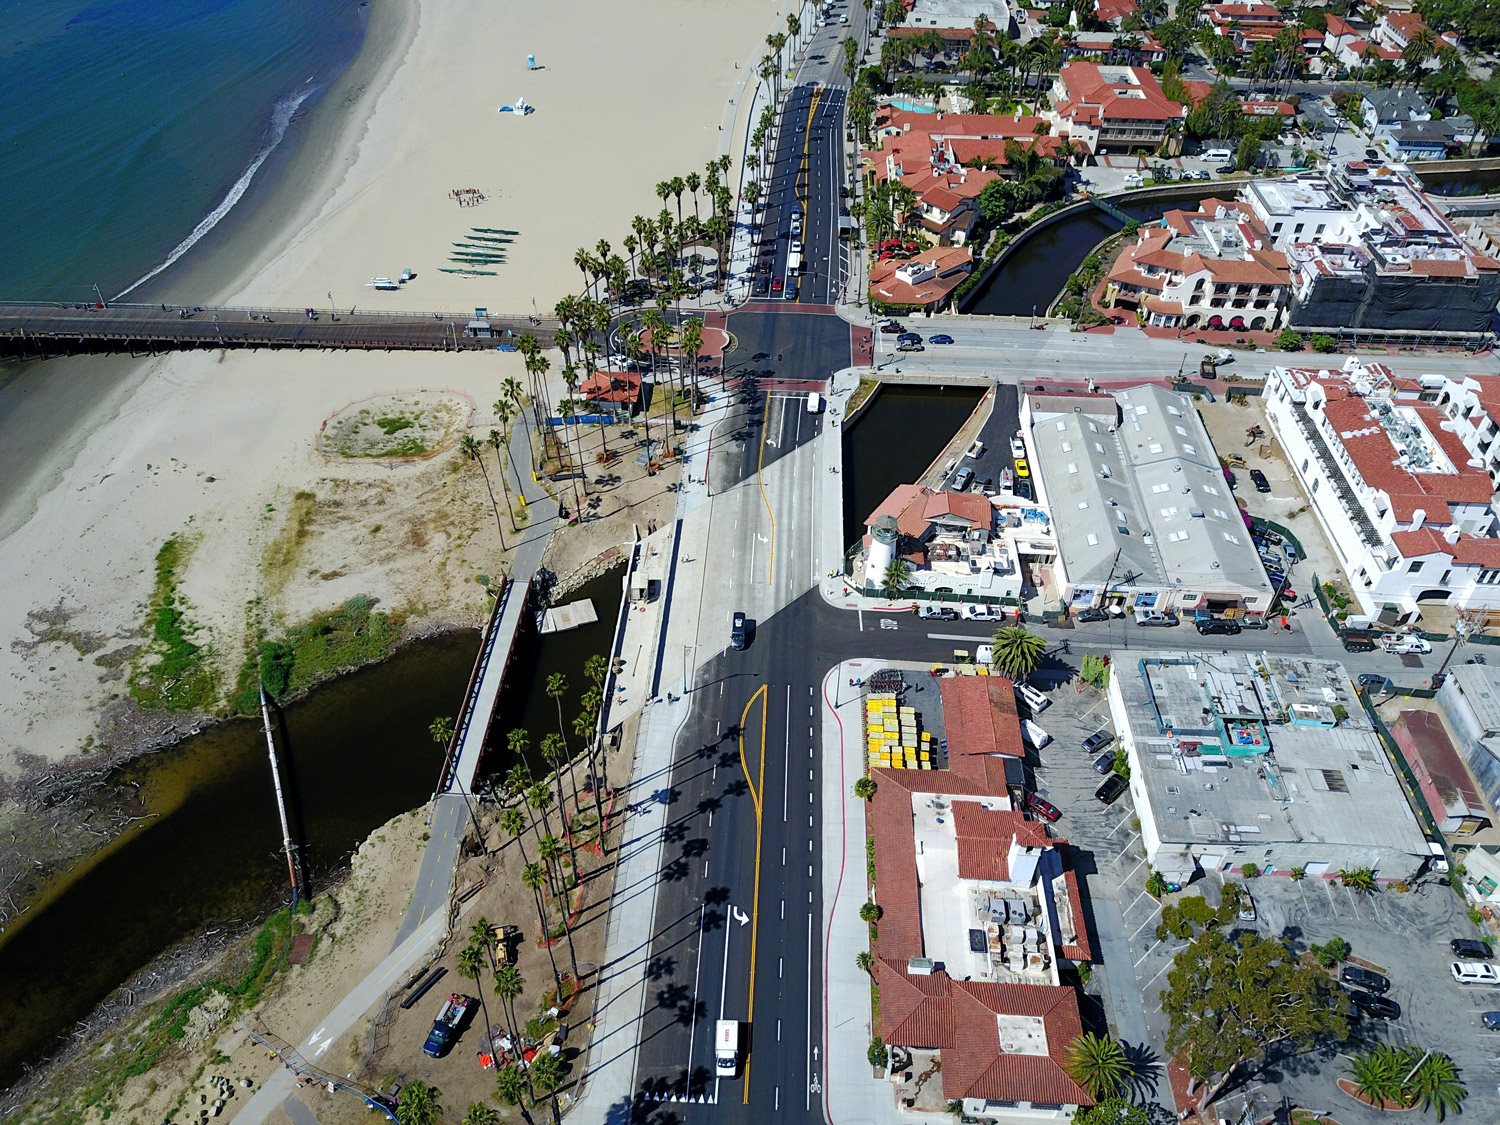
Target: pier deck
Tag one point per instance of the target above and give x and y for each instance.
(39, 330)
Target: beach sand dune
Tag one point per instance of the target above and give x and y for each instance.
(630, 94)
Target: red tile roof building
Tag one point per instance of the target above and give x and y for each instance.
(1121, 109)
(1198, 267)
(1446, 785)
(1401, 474)
(998, 1019)
(925, 281)
(949, 538)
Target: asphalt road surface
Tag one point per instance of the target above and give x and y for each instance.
(806, 173)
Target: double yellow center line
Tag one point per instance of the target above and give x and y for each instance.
(757, 788)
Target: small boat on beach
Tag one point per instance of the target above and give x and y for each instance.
(382, 283)
(488, 238)
(493, 230)
(469, 273)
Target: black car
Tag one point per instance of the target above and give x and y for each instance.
(1491, 1021)
(1372, 154)
(891, 327)
(1364, 978)
(909, 337)
(1023, 489)
(761, 287)
(1226, 169)
(1471, 950)
(1093, 613)
(1377, 1007)
(1110, 791)
(1379, 683)
(739, 630)
(1258, 479)
(1098, 741)
(1231, 479)
(1218, 626)
(1104, 762)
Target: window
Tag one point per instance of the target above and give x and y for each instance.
(1168, 513)
(1098, 448)
(1161, 487)
(1072, 466)
(1276, 229)
(1235, 539)
(1174, 412)
(1093, 429)
(1221, 513)
(1304, 464)
(1154, 447)
(1297, 229)
(1177, 536)
(1142, 410)
(1321, 228)
(1093, 540)
(1414, 567)
(1190, 447)
(1082, 504)
(1316, 483)
(1210, 489)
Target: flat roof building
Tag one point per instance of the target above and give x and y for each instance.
(1142, 513)
(1249, 758)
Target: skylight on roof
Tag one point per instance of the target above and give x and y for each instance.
(1177, 536)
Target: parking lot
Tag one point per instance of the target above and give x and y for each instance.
(1403, 935)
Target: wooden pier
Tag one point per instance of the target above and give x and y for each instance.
(36, 331)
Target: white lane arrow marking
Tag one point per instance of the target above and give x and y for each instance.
(739, 915)
(312, 1040)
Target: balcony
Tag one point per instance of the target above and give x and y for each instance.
(1353, 507)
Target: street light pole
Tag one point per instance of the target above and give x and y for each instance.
(332, 308)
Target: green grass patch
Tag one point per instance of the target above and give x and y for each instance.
(280, 558)
(352, 635)
(172, 673)
(394, 425)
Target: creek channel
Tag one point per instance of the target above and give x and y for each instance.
(354, 752)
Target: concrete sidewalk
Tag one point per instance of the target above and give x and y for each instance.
(609, 1085)
(348, 1012)
(851, 1093)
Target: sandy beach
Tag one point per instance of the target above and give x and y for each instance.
(108, 458)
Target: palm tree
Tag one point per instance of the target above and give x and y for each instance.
(1377, 1075)
(584, 261)
(555, 754)
(539, 797)
(584, 725)
(509, 984)
(512, 389)
(441, 730)
(1419, 48)
(480, 1114)
(514, 822)
(1018, 651)
(497, 442)
(1098, 1064)
(533, 876)
(469, 447)
(864, 960)
(550, 852)
(894, 579)
(471, 964)
(678, 186)
(547, 1073)
(518, 777)
(794, 28)
(1434, 1085)
(419, 1104)
(482, 934)
(693, 182)
(510, 1088)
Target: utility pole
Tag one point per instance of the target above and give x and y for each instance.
(103, 304)
(286, 831)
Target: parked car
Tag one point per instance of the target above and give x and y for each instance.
(1154, 617)
(1258, 479)
(1491, 1021)
(937, 613)
(1017, 447)
(1377, 1007)
(1040, 806)
(1471, 950)
(1104, 762)
(910, 346)
(1474, 972)
(1367, 979)
(1034, 699)
(1034, 734)
(1253, 623)
(940, 338)
(1023, 489)
(914, 337)
(891, 327)
(761, 287)
(1022, 468)
(1247, 908)
(1217, 626)
(1110, 791)
(1093, 613)
(1372, 154)
(1226, 169)
(776, 285)
(1377, 682)
(962, 479)
(984, 654)
(1098, 741)
(985, 486)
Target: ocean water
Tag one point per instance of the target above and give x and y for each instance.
(131, 128)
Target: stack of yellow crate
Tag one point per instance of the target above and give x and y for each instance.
(882, 730)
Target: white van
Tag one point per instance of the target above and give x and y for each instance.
(1404, 643)
(726, 1048)
(1474, 972)
(814, 402)
(1220, 154)
(976, 450)
(1034, 734)
(1034, 699)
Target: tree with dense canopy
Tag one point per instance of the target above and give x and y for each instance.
(1018, 651)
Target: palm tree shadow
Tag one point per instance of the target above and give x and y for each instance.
(1146, 1070)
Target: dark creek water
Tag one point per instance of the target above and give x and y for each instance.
(897, 437)
(355, 753)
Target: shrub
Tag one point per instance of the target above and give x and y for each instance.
(1298, 874)
(1156, 884)
(1250, 870)
(878, 1054)
(1323, 343)
(1332, 952)
(1290, 340)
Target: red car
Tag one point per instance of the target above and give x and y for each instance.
(1041, 807)
(776, 285)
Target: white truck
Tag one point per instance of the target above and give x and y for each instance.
(726, 1048)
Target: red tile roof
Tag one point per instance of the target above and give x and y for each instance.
(938, 1013)
(1440, 771)
(984, 838)
(905, 502)
(979, 713)
(612, 386)
(1106, 10)
(1087, 87)
(1078, 948)
(977, 510)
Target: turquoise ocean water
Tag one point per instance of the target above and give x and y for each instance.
(130, 129)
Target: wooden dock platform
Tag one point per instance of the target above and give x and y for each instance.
(40, 330)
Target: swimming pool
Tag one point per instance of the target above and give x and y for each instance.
(912, 107)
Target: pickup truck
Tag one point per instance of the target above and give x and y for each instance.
(445, 1027)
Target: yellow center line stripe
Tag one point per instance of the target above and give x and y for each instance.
(757, 790)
